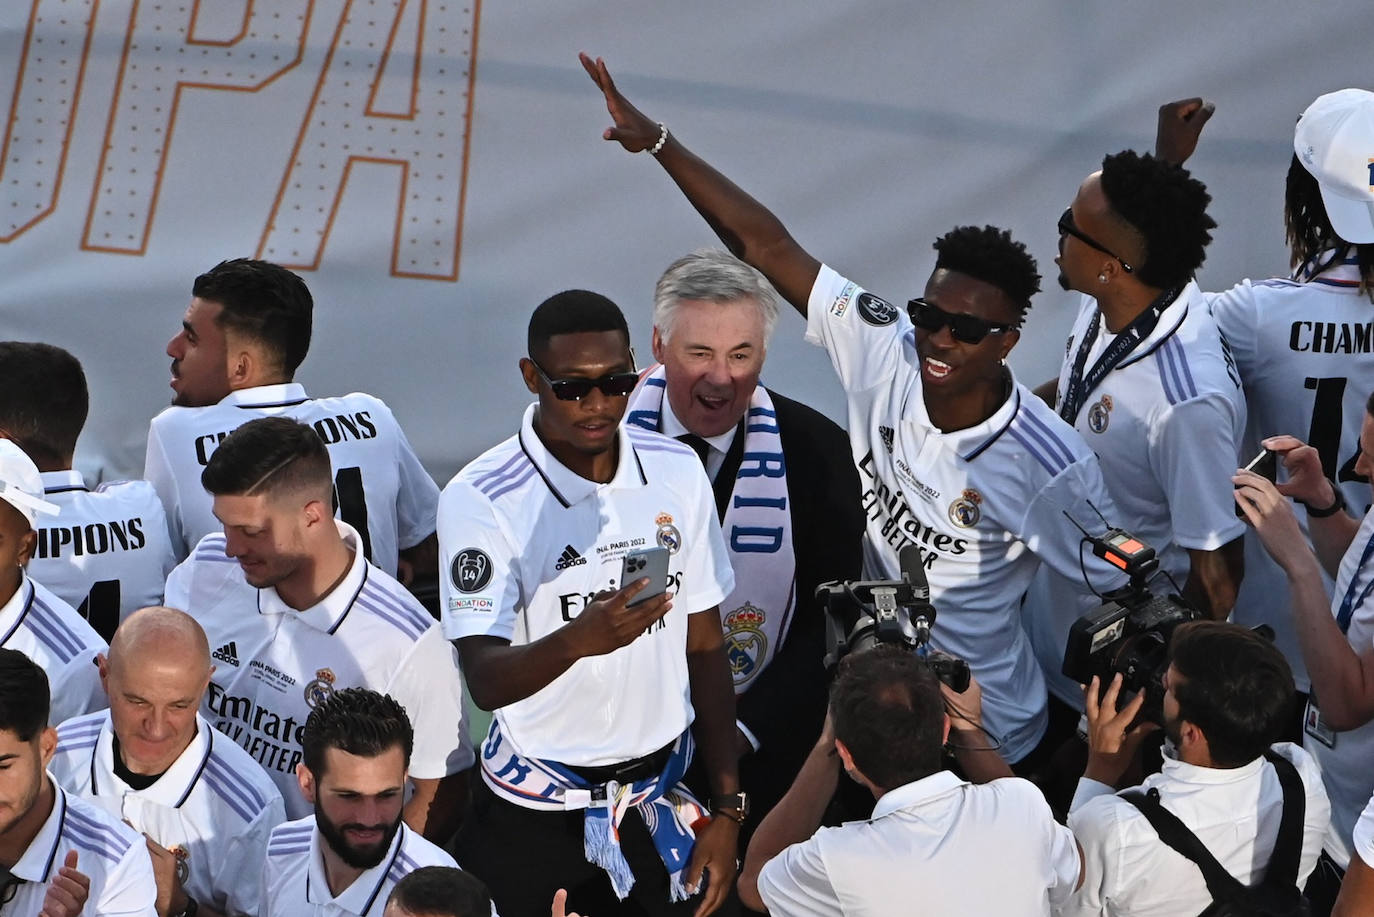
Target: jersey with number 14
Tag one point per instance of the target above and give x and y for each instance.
(383, 491)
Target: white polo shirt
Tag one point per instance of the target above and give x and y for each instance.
(214, 807)
(1348, 762)
(47, 630)
(108, 552)
(382, 488)
(526, 544)
(939, 845)
(274, 664)
(1235, 812)
(1364, 834)
(1305, 352)
(1166, 425)
(986, 505)
(294, 883)
(108, 852)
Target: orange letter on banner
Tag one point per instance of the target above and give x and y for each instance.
(221, 45)
(396, 90)
(42, 110)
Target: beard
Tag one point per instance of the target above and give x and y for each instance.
(359, 857)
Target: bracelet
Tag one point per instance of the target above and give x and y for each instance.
(734, 815)
(662, 139)
(1336, 506)
(192, 908)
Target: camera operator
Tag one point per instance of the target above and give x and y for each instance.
(1335, 633)
(1227, 694)
(886, 728)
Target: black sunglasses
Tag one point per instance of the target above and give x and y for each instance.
(1067, 227)
(612, 385)
(967, 328)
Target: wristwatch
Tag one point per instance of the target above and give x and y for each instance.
(190, 910)
(732, 805)
(1337, 504)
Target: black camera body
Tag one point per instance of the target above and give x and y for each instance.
(1129, 634)
(861, 614)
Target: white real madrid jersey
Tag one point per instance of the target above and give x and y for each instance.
(986, 505)
(381, 488)
(108, 852)
(294, 882)
(50, 632)
(1305, 351)
(274, 664)
(213, 808)
(107, 553)
(526, 544)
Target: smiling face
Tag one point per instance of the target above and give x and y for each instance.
(266, 533)
(952, 369)
(711, 357)
(358, 802)
(585, 428)
(155, 685)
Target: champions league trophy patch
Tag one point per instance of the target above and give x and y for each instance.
(1100, 414)
(669, 537)
(321, 689)
(964, 512)
(745, 641)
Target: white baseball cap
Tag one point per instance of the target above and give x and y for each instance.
(1334, 141)
(21, 486)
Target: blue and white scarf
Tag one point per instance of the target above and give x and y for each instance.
(758, 532)
(668, 809)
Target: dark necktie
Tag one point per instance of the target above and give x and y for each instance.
(700, 446)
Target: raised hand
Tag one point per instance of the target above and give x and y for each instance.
(67, 892)
(1112, 741)
(1306, 481)
(1180, 124)
(633, 130)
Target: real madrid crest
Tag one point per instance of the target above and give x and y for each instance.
(1100, 414)
(745, 642)
(321, 689)
(183, 863)
(964, 512)
(668, 535)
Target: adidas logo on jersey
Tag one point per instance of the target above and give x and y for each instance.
(569, 558)
(227, 654)
(885, 433)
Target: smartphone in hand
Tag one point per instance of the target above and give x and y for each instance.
(1266, 465)
(650, 562)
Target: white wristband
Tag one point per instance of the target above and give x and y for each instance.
(662, 139)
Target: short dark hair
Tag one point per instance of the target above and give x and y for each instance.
(1168, 208)
(43, 400)
(886, 708)
(573, 312)
(263, 302)
(1236, 687)
(991, 255)
(442, 891)
(24, 696)
(1309, 232)
(359, 721)
(268, 455)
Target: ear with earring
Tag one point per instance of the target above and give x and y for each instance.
(1101, 278)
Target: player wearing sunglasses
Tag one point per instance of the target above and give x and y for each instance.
(954, 456)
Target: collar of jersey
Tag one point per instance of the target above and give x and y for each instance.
(61, 481)
(970, 442)
(281, 395)
(365, 891)
(669, 425)
(175, 784)
(1169, 322)
(328, 613)
(917, 792)
(12, 613)
(568, 486)
(36, 865)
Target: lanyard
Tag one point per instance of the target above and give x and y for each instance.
(1350, 603)
(1130, 337)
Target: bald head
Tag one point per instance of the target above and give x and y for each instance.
(160, 633)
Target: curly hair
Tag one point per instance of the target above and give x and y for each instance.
(1167, 207)
(1308, 230)
(991, 255)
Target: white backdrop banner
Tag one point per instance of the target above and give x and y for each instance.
(434, 168)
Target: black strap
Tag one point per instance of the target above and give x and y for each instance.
(1283, 862)
(1140, 327)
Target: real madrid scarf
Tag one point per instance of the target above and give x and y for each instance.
(758, 531)
(669, 811)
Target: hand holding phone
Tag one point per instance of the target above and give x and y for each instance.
(651, 563)
(1266, 465)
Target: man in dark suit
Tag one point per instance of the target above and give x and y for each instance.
(787, 493)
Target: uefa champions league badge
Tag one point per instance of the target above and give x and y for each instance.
(668, 536)
(1100, 414)
(964, 512)
(321, 689)
(745, 641)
